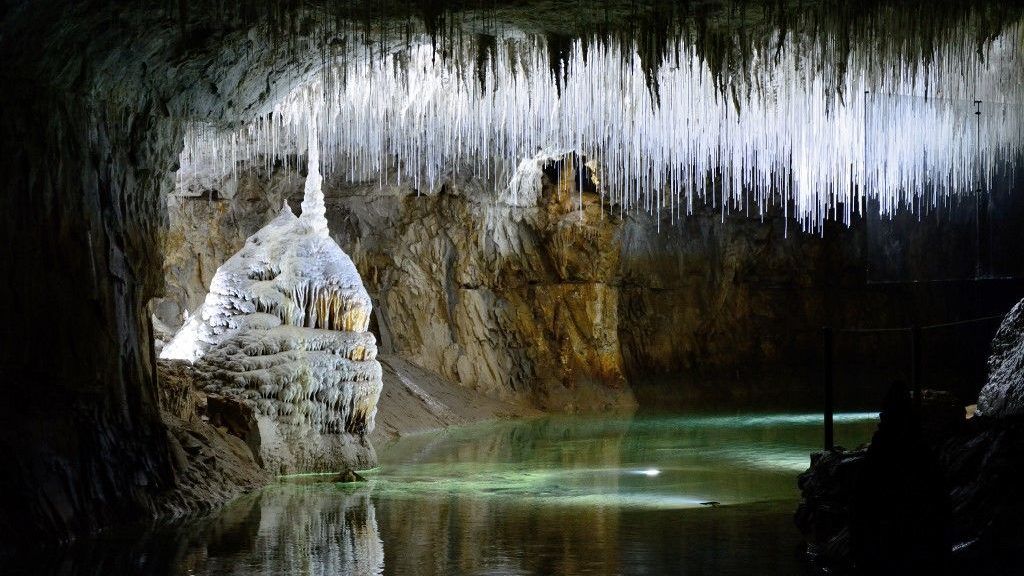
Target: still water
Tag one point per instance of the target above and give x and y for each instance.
(642, 495)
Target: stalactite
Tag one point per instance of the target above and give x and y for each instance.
(782, 128)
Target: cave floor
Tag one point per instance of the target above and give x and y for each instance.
(710, 494)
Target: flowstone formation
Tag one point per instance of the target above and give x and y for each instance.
(284, 329)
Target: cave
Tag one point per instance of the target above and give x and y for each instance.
(524, 287)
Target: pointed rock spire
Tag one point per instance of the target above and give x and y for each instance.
(313, 210)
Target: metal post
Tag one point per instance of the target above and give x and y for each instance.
(826, 338)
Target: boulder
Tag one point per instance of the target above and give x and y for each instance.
(349, 476)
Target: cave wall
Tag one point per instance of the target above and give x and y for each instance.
(93, 108)
(511, 301)
(81, 434)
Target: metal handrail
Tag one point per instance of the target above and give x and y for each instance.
(828, 334)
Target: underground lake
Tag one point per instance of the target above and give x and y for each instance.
(643, 494)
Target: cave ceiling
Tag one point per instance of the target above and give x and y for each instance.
(221, 68)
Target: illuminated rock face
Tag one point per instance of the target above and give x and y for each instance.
(284, 328)
(1003, 395)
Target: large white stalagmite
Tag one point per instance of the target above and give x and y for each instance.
(284, 329)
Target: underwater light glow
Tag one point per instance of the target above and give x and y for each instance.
(653, 463)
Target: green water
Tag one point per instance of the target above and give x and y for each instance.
(551, 496)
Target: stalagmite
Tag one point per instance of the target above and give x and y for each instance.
(284, 328)
(313, 210)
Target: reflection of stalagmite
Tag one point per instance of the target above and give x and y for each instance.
(290, 529)
(284, 328)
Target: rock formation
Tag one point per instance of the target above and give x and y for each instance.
(284, 328)
(1003, 394)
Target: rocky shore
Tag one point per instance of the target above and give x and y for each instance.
(935, 492)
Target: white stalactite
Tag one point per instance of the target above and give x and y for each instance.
(783, 137)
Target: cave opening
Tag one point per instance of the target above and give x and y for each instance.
(508, 288)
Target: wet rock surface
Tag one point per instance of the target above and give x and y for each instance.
(416, 400)
(823, 515)
(1003, 395)
(213, 443)
(980, 468)
(880, 510)
(349, 476)
(216, 444)
(984, 466)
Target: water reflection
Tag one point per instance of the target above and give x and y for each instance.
(291, 528)
(284, 529)
(554, 496)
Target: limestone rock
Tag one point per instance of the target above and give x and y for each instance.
(823, 515)
(213, 442)
(521, 292)
(176, 390)
(1003, 395)
(509, 292)
(349, 476)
